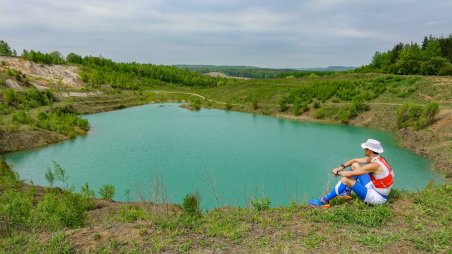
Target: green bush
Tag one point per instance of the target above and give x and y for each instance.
(5, 109)
(297, 107)
(191, 204)
(283, 105)
(87, 192)
(255, 104)
(22, 117)
(417, 116)
(15, 208)
(11, 97)
(262, 204)
(107, 191)
(228, 106)
(196, 105)
(8, 178)
(62, 122)
(131, 213)
(36, 98)
(60, 209)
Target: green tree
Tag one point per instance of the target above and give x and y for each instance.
(434, 65)
(380, 60)
(5, 50)
(410, 60)
(74, 58)
(191, 204)
(433, 49)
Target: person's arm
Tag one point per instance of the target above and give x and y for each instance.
(335, 171)
(368, 168)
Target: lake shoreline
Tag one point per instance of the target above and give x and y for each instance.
(405, 138)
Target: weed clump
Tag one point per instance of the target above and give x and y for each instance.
(262, 204)
(107, 191)
(191, 205)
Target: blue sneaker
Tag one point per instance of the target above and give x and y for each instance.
(319, 203)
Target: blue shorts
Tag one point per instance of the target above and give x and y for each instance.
(364, 189)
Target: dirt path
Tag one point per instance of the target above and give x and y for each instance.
(221, 102)
(187, 93)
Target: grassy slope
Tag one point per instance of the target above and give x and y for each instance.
(416, 222)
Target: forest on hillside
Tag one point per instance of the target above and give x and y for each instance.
(432, 57)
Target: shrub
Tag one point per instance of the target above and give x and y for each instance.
(191, 204)
(39, 98)
(107, 191)
(320, 113)
(8, 178)
(283, 105)
(5, 109)
(446, 70)
(15, 207)
(228, 106)
(50, 177)
(297, 107)
(87, 192)
(64, 123)
(131, 213)
(11, 97)
(196, 105)
(262, 204)
(22, 117)
(255, 104)
(60, 209)
(417, 116)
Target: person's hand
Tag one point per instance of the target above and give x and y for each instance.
(344, 173)
(336, 171)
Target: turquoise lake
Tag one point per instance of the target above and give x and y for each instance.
(229, 158)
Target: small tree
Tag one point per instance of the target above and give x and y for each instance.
(107, 191)
(5, 50)
(50, 177)
(74, 58)
(190, 204)
(60, 174)
(297, 107)
(283, 105)
(87, 192)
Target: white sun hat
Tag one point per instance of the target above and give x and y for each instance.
(373, 145)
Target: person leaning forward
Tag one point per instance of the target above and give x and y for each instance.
(372, 181)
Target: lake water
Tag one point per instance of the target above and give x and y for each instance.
(227, 157)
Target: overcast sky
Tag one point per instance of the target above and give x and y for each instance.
(282, 33)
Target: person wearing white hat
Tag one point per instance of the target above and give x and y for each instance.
(372, 182)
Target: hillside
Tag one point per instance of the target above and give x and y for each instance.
(54, 220)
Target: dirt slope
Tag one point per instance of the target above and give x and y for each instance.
(42, 76)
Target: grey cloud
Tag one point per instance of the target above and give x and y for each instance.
(262, 33)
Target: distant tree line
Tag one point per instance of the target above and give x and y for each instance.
(99, 71)
(238, 71)
(307, 74)
(54, 57)
(432, 57)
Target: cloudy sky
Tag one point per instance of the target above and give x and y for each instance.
(283, 33)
